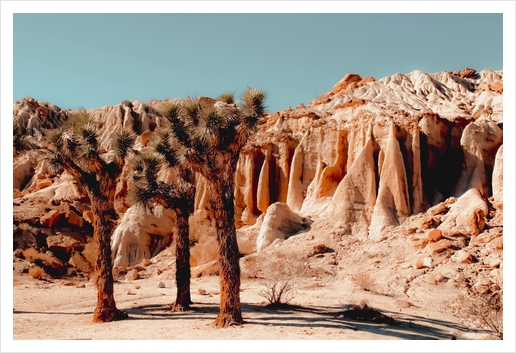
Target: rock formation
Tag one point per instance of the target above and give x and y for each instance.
(364, 157)
(279, 223)
(371, 153)
(142, 234)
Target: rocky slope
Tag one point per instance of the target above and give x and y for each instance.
(411, 160)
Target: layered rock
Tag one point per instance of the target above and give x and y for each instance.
(372, 153)
(363, 157)
(31, 117)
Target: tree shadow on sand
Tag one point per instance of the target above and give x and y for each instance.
(366, 319)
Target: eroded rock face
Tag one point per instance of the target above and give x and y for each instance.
(414, 141)
(31, 117)
(279, 223)
(363, 157)
(466, 216)
(142, 234)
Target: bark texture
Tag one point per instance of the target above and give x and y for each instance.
(183, 298)
(228, 255)
(105, 310)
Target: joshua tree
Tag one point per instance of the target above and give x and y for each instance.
(210, 135)
(75, 148)
(178, 196)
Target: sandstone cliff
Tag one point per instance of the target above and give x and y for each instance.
(364, 158)
(371, 153)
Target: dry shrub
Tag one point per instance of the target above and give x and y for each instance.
(364, 281)
(81, 263)
(36, 272)
(279, 274)
(204, 235)
(204, 251)
(90, 252)
(32, 255)
(483, 311)
(250, 266)
(364, 312)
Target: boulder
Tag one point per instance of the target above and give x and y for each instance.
(319, 249)
(88, 216)
(73, 219)
(132, 275)
(418, 242)
(466, 216)
(280, 223)
(480, 142)
(495, 245)
(142, 233)
(434, 235)
(493, 260)
(427, 262)
(349, 81)
(50, 219)
(462, 256)
(23, 169)
(468, 72)
(24, 236)
(487, 236)
(437, 247)
(145, 137)
(64, 243)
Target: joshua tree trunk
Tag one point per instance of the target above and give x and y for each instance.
(106, 309)
(224, 211)
(183, 299)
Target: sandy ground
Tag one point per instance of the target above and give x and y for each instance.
(48, 312)
(61, 309)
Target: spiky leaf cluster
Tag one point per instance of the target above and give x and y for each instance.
(254, 101)
(20, 142)
(123, 141)
(147, 189)
(227, 97)
(167, 145)
(201, 128)
(75, 148)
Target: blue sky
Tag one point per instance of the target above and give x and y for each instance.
(92, 60)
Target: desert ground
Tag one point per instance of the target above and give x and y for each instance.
(48, 309)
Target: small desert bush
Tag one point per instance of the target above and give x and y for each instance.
(483, 311)
(279, 274)
(36, 272)
(20, 143)
(364, 281)
(204, 251)
(87, 259)
(250, 266)
(32, 255)
(90, 252)
(203, 236)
